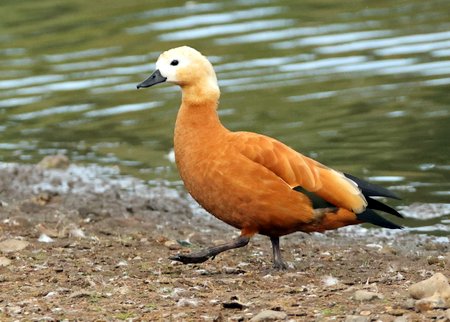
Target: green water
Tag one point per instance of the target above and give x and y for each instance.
(360, 86)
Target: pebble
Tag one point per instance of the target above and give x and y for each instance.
(426, 288)
(363, 295)
(185, 302)
(43, 238)
(4, 261)
(356, 318)
(330, 280)
(232, 270)
(12, 245)
(269, 315)
(54, 162)
(77, 232)
(172, 245)
(402, 318)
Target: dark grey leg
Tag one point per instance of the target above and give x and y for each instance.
(277, 260)
(205, 254)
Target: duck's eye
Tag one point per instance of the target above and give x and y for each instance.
(174, 62)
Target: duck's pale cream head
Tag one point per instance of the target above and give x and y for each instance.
(183, 66)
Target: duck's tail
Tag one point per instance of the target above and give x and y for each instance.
(331, 217)
(370, 190)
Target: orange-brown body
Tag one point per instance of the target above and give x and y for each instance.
(246, 179)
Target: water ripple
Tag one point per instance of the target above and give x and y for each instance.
(206, 19)
(211, 31)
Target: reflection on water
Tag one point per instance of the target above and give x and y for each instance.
(361, 87)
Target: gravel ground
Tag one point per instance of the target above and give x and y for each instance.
(84, 243)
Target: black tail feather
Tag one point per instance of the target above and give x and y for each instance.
(378, 205)
(370, 189)
(372, 217)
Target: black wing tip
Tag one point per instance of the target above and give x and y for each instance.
(370, 189)
(378, 205)
(370, 216)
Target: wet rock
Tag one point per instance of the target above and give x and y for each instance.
(356, 318)
(269, 315)
(363, 295)
(4, 261)
(54, 162)
(437, 283)
(13, 245)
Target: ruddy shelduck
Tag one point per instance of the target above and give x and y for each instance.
(250, 181)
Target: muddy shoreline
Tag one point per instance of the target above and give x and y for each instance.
(89, 244)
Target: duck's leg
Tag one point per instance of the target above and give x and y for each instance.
(205, 254)
(277, 260)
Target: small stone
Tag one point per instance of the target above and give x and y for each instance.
(122, 263)
(54, 162)
(43, 238)
(232, 270)
(4, 261)
(236, 318)
(13, 245)
(363, 295)
(330, 280)
(402, 318)
(365, 313)
(77, 232)
(172, 245)
(269, 315)
(185, 302)
(396, 312)
(426, 288)
(356, 318)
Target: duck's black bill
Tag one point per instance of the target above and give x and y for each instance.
(154, 79)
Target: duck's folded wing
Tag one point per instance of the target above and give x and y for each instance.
(300, 171)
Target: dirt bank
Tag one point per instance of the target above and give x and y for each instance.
(85, 243)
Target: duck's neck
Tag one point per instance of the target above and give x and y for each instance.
(198, 111)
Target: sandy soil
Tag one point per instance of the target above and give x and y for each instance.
(93, 246)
